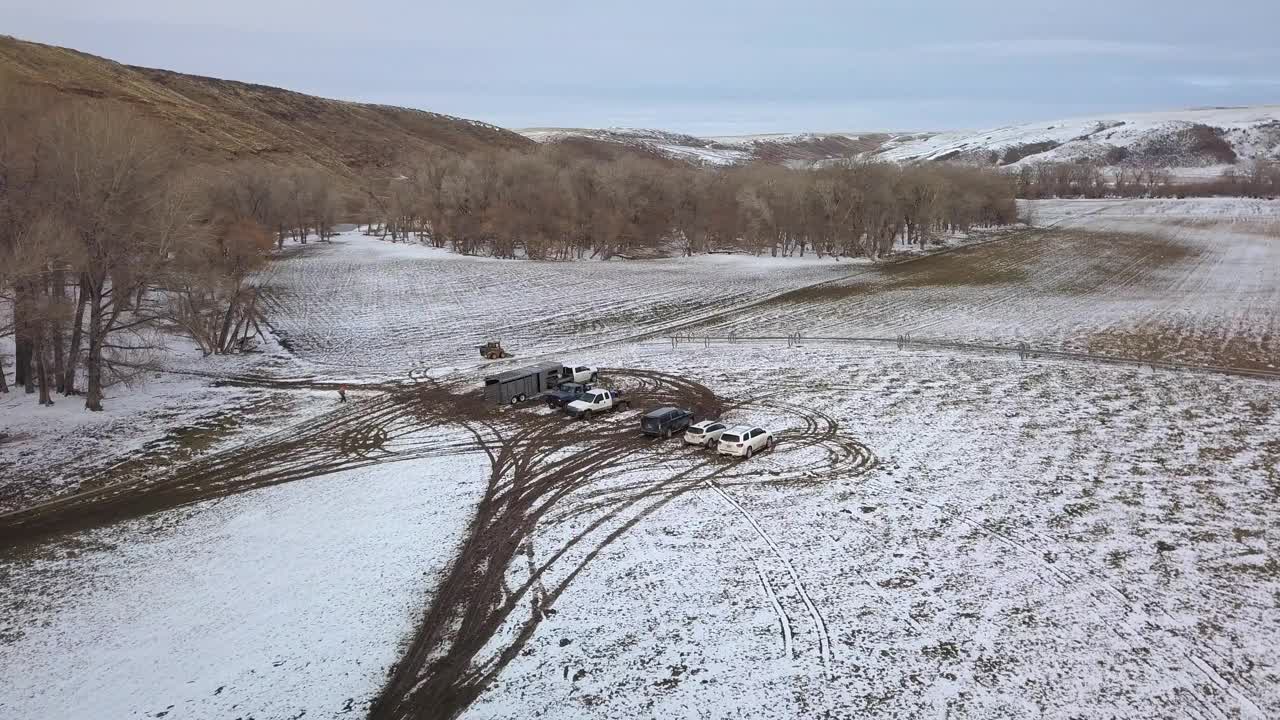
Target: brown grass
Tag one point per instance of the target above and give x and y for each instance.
(219, 120)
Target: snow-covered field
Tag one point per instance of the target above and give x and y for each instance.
(1194, 281)
(1039, 540)
(363, 305)
(937, 535)
(279, 603)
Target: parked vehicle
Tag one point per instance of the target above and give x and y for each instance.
(579, 374)
(596, 402)
(744, 441)
(705, 434)
(565, 393)
(516, 386)
(665, 422)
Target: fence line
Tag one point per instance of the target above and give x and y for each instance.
(1021, 349)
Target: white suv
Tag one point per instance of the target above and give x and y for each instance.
(744, 441)
(705, 433)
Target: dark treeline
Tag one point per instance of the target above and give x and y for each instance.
(107, 239)
(550, 204)
(1088, 180)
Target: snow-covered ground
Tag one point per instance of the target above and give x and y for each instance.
(1040, 540)
(1036, 538)
(366, 306)
(163, 416)
(284, 602)
(1194, 281)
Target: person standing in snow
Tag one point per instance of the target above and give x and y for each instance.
(342, 393)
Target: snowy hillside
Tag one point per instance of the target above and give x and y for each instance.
(1207, 138)
(683, 147)
(1188, 138)
(802, 148)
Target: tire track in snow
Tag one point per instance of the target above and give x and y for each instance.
(784, 622)
(819, 625)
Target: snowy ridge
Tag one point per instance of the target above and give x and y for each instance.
(697, 150)
(1251, 133)
(1210, 139)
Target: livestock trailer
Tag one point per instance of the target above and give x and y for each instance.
(516, 386)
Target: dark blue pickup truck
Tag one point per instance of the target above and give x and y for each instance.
(565, 393)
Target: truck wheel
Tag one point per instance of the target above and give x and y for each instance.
(515, 399)
(594, 377)
(769, 445)
(586, 415)
(748, 455)
(667, 433)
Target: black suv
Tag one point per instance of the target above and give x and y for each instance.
(665, 422)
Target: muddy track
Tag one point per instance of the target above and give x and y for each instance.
(539, 464)
(383, 429)
(452, 659)
(536, 464)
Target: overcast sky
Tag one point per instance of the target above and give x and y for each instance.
(703, 67)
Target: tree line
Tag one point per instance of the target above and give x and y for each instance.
(1091, 180)
(108, 240)
(554, 204)
(111, 239)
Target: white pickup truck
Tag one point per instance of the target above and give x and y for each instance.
(579, 373)
(595, 402)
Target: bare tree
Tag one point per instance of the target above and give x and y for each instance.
(106, 174)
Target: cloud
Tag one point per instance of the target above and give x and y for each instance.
(1226, 82)
(1052, 47)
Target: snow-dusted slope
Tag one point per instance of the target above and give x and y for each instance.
(683, 147)
(1172, 139)
(804, 148)
(1205, 138)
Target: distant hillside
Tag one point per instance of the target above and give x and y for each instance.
(801, 149)
(225, 119)
(1192, 139)
(1179, 139)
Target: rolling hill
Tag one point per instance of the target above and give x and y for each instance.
(220, 120)
(1206, 139)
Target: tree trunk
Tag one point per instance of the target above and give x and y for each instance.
(93, 394)
(4, 384)
(56, 332)
(22, 336)
(42, 368)
(221, 342)
(73, 349)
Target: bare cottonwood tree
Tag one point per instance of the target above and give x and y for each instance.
(106, 180)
